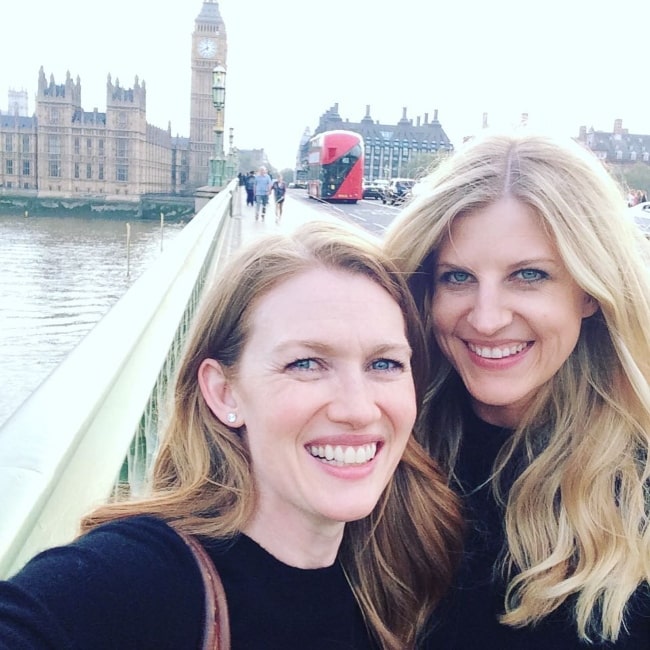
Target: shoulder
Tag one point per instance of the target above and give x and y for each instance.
(144, 548)
(637, 618)
(134, 536)
(132, 540)
(122, 580)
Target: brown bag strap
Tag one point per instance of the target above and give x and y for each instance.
(216, 628)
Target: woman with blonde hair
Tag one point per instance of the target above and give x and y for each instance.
(288, 455)
(534, 285)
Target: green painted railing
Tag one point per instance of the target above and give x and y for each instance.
(93, 421)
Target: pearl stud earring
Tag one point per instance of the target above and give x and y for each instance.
(231, 417)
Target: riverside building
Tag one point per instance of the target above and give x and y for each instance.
(388, 147)
(64, 152)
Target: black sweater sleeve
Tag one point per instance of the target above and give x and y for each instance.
(128, 584)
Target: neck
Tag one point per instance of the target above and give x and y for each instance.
(299, 545)
(507, 417)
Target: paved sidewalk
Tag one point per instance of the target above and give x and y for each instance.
(296, 211)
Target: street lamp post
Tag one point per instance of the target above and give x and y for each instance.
(217, 163)
(231, 156)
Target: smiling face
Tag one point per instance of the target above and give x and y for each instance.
(506, 312)
(325, 392)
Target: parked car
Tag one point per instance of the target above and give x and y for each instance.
(641, 215)
(374, 189)
(398, 191)
(640, 208)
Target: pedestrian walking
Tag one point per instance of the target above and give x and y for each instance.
(279, 189)
(262, 189)
(250, 188)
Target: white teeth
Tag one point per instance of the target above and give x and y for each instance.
(344, 455)
(496, 353)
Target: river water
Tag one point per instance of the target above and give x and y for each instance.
(58, 276)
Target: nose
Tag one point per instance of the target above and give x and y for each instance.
(490, 310)
(353, 401)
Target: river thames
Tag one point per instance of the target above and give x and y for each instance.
(58, 276)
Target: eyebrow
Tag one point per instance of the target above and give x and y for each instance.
(517, 264)
(324, 348)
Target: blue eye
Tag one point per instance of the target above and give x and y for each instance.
(303, 364)
(455, 277)
(531, 275)
(386, 364)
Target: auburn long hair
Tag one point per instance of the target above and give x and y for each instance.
(401, 558)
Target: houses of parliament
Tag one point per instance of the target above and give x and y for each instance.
(64, 155)
(64, 152)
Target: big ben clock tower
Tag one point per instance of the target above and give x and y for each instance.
(209, 48)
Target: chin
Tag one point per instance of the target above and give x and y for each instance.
(346, 515)
(490, 397)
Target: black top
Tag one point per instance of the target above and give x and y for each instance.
(468, 620)
(279, 188)
(134, 584)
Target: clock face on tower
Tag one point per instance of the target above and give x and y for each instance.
(207, 48)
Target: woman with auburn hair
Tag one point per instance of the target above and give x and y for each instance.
(534, 284)
(288, 454)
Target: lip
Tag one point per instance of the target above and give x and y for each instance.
(489, 343)
(347, 440)
(334, 449)
(498, 362)
(509, 347)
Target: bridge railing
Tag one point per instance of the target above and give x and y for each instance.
(63, 451)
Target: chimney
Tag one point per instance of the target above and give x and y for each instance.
(485, 122)
(618, 127)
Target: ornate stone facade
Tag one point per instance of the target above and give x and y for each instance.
(63, 151)
(209, 49)
(388, 147)
(618, 147)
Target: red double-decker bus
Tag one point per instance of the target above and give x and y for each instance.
(336, 166)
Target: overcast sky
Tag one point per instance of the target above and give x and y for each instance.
(565, 62)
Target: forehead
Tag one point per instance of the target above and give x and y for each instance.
(316, 286)
(326, 301)
(504, 228)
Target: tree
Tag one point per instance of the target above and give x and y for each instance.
(421, 164)
(633, 177)
(251, 159)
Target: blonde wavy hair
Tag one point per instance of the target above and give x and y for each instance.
(401, 558)
(577, 514)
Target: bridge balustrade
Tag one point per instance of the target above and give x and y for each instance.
(92, 423)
